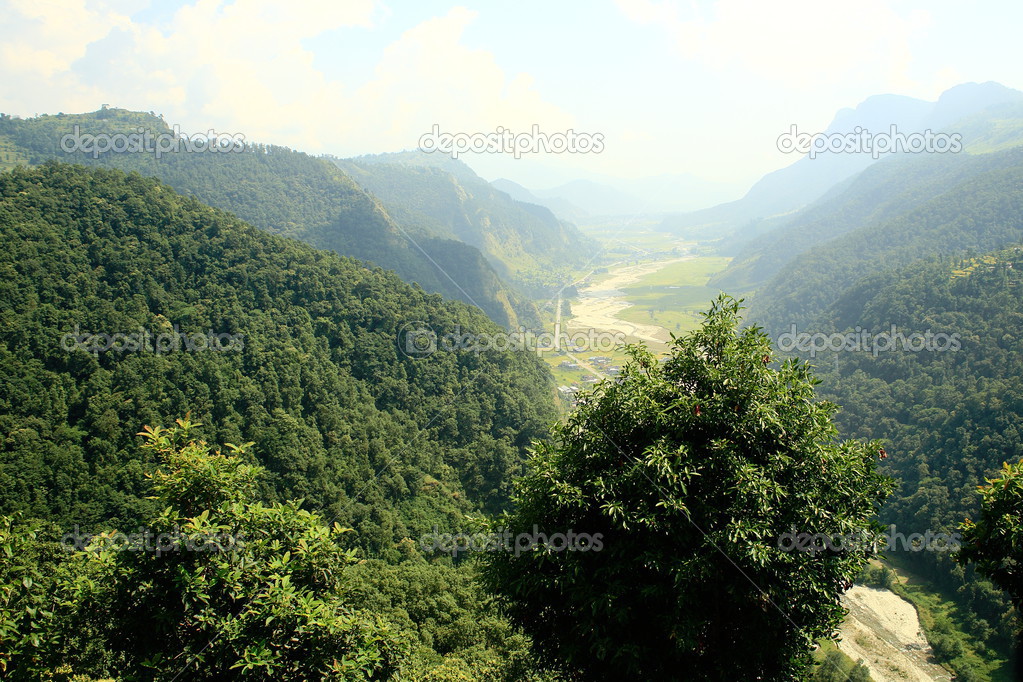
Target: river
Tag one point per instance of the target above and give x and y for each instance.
(599, 305)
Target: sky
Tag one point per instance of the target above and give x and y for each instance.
(671, 87)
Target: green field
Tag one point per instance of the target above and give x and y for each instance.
(632, 239)
(674, 296)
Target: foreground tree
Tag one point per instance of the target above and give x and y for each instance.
(696, 480)
(217, 586)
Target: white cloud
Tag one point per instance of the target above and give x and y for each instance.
(43, 38)
(39, 42)
(242, 67)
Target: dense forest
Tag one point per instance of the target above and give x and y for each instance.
(948, 412)
(312, 377)
(316, 378)
(281, 519)
(526, 243)
(285, 192)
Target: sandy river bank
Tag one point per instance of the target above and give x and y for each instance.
(599, 304)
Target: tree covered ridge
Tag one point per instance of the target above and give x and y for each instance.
(878, 195)
(388, 444)
(949, 418)
(283, 191)
(978, 212)
(525, 243)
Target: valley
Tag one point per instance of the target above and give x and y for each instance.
(641, 295)
(601, 303)
(488, 376)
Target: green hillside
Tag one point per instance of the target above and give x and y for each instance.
(285, 192)
(983, 211)
(526, 243)
(949, 414)
(339, 414)
(296, 352)
(880, 194)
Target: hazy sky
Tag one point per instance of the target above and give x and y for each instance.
(674, 87)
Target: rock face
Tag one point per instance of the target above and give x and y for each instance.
(883, 631)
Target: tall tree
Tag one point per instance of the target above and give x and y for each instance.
(218, 586)
(688, 476)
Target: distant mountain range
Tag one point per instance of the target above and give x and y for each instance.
(441, 227)
(583, 199)
(970, 109)
(877, 195)
(782, 192)
(559, 206)
(595, 198)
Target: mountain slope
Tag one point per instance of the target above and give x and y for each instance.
(314, 372)
(949, 413)
(428, 193)
(881, 193)
(982, 212)
(562, 208)
(284, 192)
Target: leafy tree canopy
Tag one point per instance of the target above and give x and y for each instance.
(690, 473)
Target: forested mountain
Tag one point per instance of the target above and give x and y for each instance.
(339, 414)
(949, 414)
(265, 341)
(982, 212)
(284, 192)
(879, 194)
(789, 189)
(440, 196)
